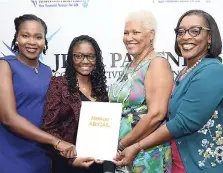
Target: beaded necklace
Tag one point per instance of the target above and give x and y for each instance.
(187, 70)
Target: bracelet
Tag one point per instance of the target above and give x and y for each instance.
(139, 147)
(121, 147)
(57, 144)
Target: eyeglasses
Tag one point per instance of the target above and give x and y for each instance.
(81, 56)
(193, 31)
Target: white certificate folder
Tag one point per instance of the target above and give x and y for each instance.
(98, 130)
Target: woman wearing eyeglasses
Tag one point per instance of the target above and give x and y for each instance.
(196, 105)
(84, 80)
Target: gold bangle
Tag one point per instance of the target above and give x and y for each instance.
(57, 144)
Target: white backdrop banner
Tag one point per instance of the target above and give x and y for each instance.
(103, 20)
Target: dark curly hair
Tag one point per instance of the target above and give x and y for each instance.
(21, 19)
(98, 78)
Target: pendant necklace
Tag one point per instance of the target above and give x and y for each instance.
(36, 68)
(119, 85)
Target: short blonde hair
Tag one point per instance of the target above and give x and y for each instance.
(144, 16)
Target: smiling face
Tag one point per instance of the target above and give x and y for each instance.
(84, 66)
(194, 46)
(136, 37)
(31, 39)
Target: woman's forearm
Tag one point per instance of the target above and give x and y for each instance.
(144, 127)
(26, 129)
(158, 137)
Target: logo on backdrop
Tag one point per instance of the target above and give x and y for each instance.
(60, 3)
(41, 56)
(34, 2)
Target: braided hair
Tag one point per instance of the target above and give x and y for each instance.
(98, 78)
(21, 19)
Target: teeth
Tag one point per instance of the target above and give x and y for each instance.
(188, 46)
(85, 68)
(31, 49)
(130, 45)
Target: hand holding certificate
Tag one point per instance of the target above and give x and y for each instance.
(98, 130)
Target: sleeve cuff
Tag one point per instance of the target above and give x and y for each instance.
(174, 129)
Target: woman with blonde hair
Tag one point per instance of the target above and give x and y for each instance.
(144, 88)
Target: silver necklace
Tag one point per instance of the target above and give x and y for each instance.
(119, 84)
(36, 68)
